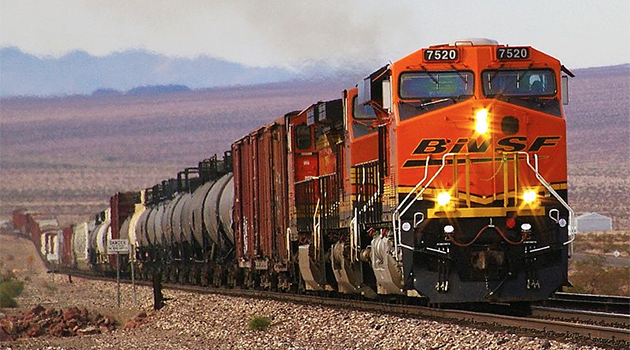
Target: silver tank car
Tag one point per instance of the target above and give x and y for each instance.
(217, 208)
(180, 234)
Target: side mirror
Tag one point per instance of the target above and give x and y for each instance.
(565, 90)
(387, 95)
(365, 91)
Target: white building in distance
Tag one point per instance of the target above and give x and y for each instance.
(590, 222)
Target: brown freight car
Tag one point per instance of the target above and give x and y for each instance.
(20, 220)
(261, 202)
(66, 246)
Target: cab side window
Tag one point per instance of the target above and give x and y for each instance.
(303, 137)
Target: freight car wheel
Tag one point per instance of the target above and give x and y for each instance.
(233, 277)
(173, 274)
(182, 275)
(167, 273)
(206, 275)
(218, 276)
(194, 277)
(146, 273)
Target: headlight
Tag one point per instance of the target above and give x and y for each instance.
(481, 117)
(443, 198)
(529, 196)
(526, 227)
(448, 229)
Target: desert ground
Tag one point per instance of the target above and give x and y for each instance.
(66, 156)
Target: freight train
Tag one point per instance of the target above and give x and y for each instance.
(442, 175)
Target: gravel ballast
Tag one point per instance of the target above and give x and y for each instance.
(210, 321)
(193, 321)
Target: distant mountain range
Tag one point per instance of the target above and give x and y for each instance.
(81, 73)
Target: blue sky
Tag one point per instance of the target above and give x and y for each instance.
(292, 34)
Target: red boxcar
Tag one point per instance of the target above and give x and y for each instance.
(66, 251)
(261, 202)
(21, 219)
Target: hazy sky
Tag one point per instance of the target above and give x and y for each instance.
(291, 33)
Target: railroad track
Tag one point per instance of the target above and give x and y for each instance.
(585, 326)
(590, 302)
(579, 316)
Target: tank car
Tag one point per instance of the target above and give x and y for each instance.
(98, 240)
(185, 232)
(81, 245)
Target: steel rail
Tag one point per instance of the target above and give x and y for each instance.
(589, 302)
(582, 316)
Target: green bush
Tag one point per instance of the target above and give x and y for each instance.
(10, 288)
(593, 276)
(7, 301)
(259, 323)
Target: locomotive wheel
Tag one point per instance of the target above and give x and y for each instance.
(268, 281)
(284, 285)
(521, 308)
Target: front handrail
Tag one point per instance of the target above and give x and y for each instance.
(398, 213)
(426, 172)
(572, 224)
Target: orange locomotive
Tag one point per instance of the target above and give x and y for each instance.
(448, 180)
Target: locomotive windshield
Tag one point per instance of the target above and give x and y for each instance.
(436, 85)
(528, 82)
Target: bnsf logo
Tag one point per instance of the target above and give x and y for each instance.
(507, 144)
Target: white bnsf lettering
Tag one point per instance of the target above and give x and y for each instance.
(465, 145)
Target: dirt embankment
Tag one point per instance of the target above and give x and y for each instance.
(54, 304)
